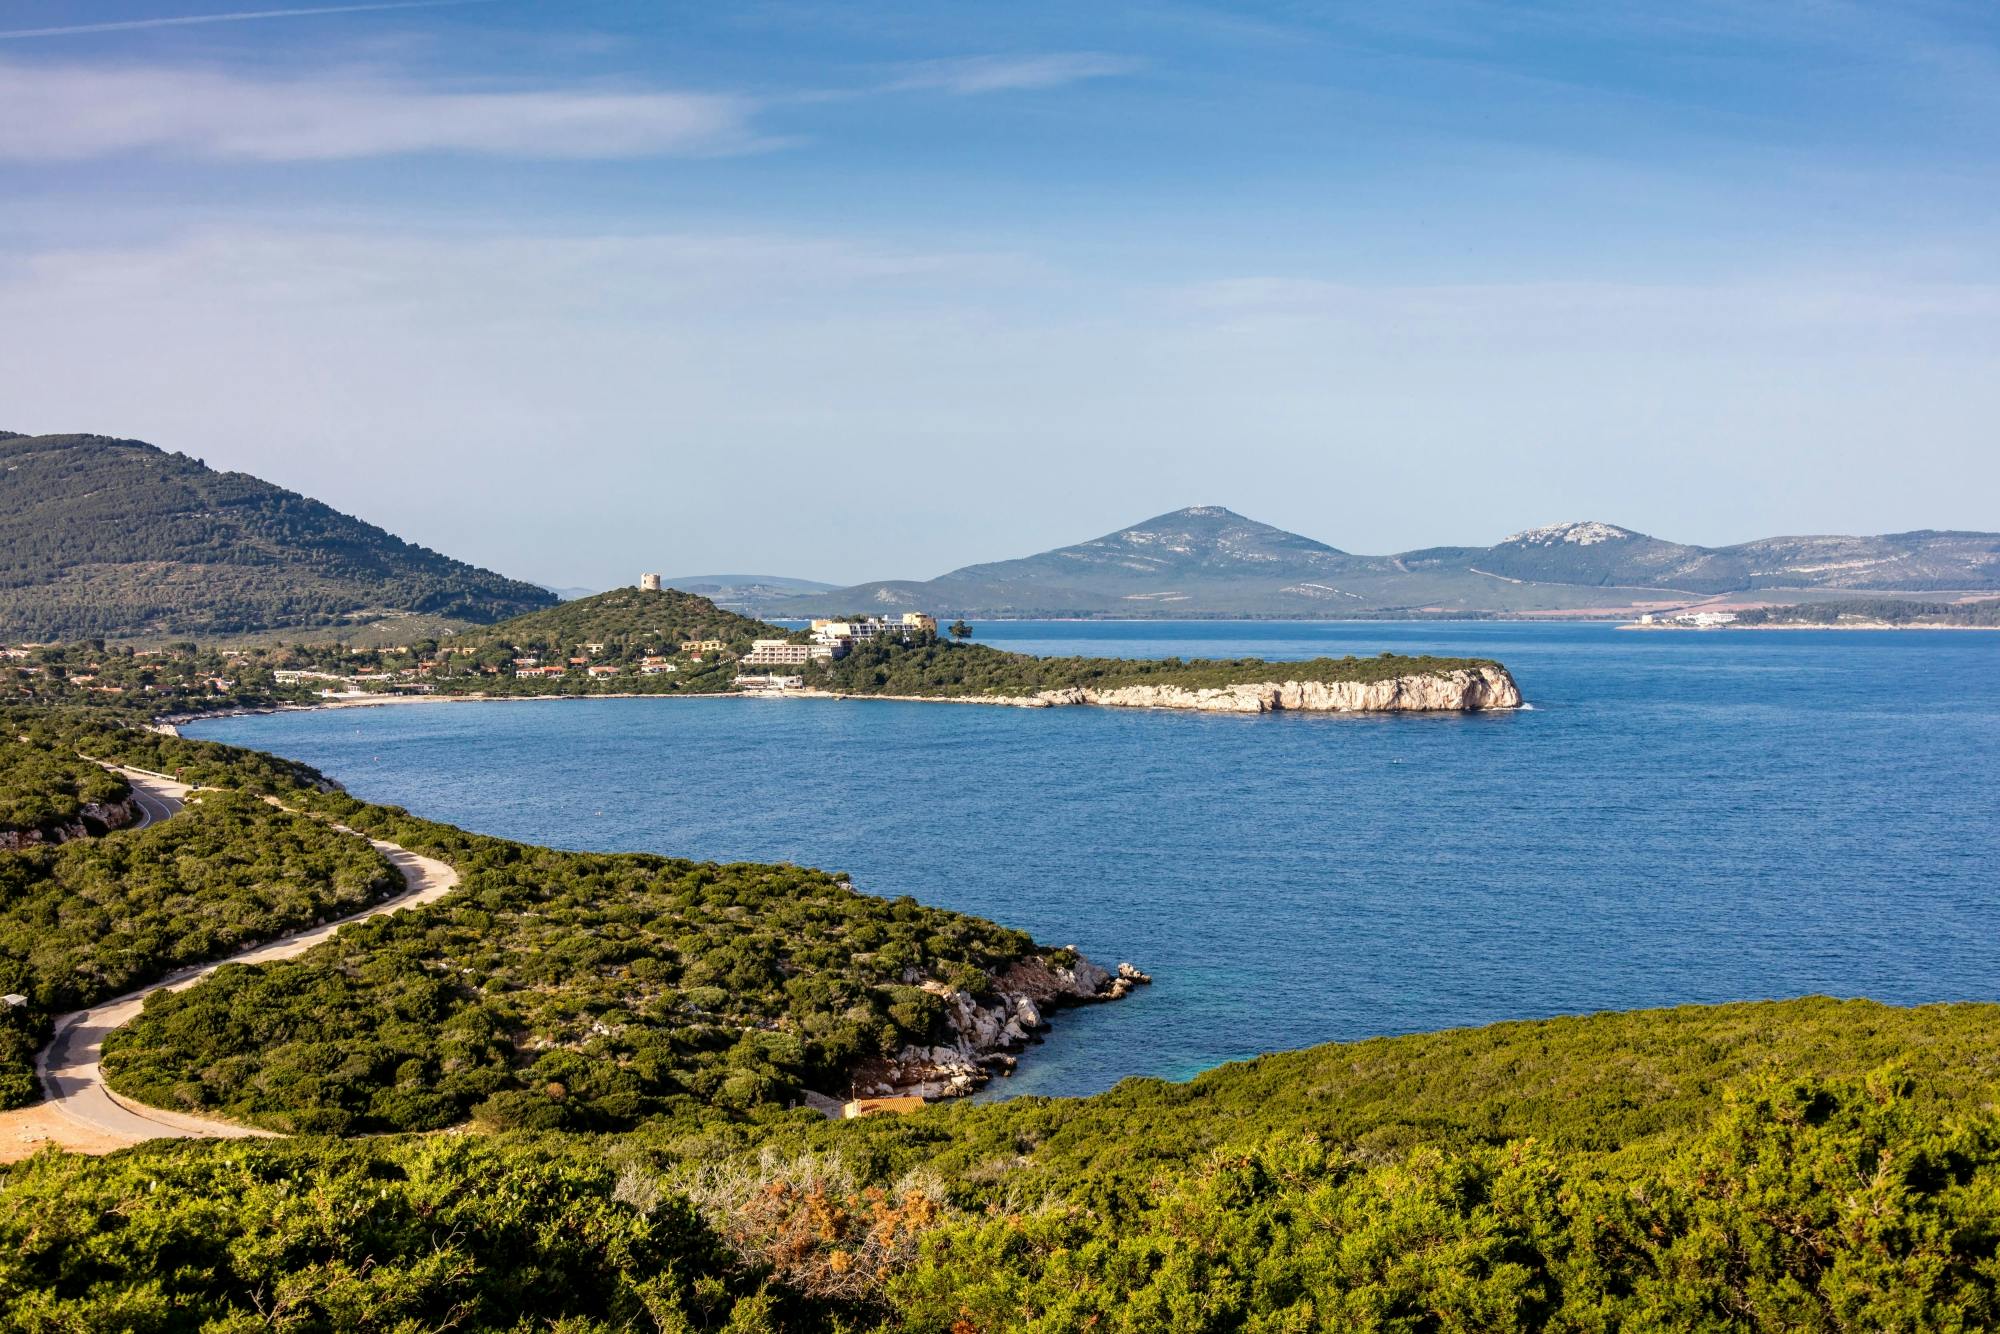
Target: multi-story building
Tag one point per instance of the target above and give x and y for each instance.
(872, 627)
(784, 653)
(702, 646)
(777, 653)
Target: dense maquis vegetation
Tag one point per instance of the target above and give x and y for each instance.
(42, 786)
(104, 536)
(563, 989)
(1749, 1167)
(1801, 1207)
(1878, 611)
(929, 665)
(554, 988)
(94, 918)
(111, 737)
(430, 1233)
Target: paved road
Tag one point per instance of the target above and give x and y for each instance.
(68, 1066)
(157, 796)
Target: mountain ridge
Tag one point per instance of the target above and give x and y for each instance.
(1208, 560)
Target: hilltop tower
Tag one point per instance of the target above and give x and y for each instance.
(649, 583)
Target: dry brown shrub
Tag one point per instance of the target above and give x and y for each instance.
(807, 1219)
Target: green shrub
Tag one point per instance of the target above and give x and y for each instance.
(41, 785)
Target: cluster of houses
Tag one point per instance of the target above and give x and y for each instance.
(828, 640)
(19, 656)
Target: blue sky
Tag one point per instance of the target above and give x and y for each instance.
(866, 290)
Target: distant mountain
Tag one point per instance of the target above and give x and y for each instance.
(1601, 554)
(1205, 558)
(1210, 561)
(115, 537)
(570, 594)
(747, 593)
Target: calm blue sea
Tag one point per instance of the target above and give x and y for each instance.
(1680, 817)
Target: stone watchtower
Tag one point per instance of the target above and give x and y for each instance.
(649, 583)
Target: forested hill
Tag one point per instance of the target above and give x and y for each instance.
(116, 537)
(625, 619)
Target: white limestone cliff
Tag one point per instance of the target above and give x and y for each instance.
(1462, 690)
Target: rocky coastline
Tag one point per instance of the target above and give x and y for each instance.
(1461, 690)
(97, 817)
(984, 1035)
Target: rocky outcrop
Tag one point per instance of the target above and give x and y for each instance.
(1462, 690)
(97, 817)
(984, 1035)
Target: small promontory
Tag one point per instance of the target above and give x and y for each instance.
(1389, 683)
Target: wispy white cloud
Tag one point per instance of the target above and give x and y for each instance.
(998, 74)
(513, 372)
(75, 111)
(239, 16)
(71, 112)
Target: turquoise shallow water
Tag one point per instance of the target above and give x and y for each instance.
(1680, 817)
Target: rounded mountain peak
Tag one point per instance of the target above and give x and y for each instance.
(1581, 533)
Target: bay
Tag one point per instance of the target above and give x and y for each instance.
(1680, 817)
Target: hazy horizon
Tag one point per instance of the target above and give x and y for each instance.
(574, 292)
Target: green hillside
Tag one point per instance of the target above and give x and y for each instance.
(626, 621)
(117, 538)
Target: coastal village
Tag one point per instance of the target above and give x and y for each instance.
(767, 666)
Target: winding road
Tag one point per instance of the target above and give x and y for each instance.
(80, 1111)
(157, 796)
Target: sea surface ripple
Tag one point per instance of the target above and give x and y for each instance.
(1681, 817)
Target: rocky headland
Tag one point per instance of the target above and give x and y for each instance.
(1461, 690)
(984, 1035)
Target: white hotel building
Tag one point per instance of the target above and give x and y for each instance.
(784, 653)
